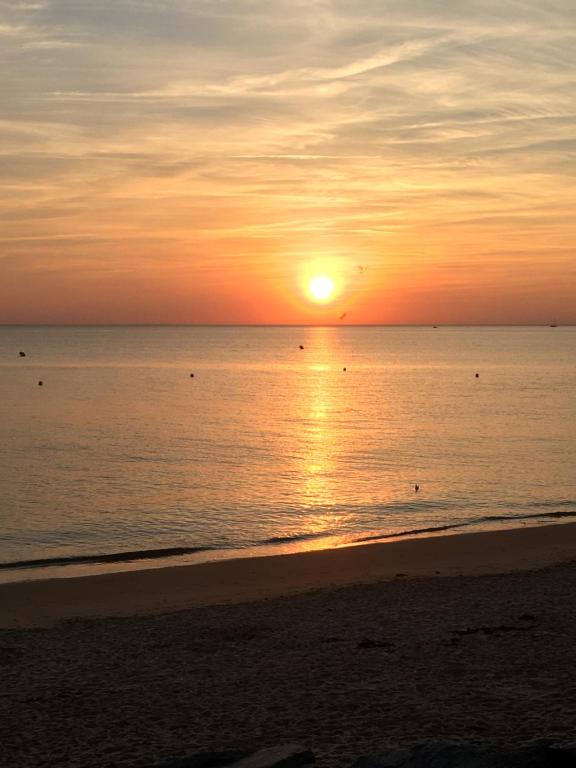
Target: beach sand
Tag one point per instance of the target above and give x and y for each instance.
(334, 649)
(163, 590)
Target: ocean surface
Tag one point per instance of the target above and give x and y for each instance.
(122, 459)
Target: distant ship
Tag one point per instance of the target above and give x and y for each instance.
(554, 324)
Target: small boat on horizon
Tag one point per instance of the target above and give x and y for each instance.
(554, 324)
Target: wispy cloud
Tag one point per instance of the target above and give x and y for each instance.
(204, 136)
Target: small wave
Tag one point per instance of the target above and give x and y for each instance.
(465, 524)
(413, 532)
(295, 537)
(533, 516)
(168, 552)
(113, 557)
(551, 503)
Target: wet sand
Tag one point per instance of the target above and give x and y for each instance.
(163, 590)
(342, 654)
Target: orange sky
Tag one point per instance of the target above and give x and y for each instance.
(197, 161)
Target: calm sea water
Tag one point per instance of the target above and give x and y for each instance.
(121, 457)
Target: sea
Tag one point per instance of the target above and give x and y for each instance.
(148, 446)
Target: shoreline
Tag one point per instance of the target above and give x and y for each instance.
(95, 564)
(175, 588)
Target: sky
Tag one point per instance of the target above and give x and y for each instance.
(201, 161)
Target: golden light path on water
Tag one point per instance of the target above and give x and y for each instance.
(325, 401)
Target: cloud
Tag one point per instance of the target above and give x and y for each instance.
(407, 131)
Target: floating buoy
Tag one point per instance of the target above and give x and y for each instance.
(344, 369)
(22, 354)
(416, 488)
(40, 383)
(191, 375)
(301, 347)
(477, 375)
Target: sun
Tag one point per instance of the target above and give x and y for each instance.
(321, 288)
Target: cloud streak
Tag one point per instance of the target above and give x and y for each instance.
(245, 138)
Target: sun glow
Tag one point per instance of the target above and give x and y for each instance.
(321, 288)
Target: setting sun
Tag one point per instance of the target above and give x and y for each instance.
(321, 288)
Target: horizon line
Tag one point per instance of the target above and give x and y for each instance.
(287, 325)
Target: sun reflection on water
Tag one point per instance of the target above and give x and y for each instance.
(322, 398)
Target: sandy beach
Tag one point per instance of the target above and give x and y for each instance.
(164, 590)
(468, 637)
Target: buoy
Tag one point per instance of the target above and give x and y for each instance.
(40, 383)
(344, 369)
(22, 354)
(416, 488)
(301, 347)
(191, 375)
(477, 375)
